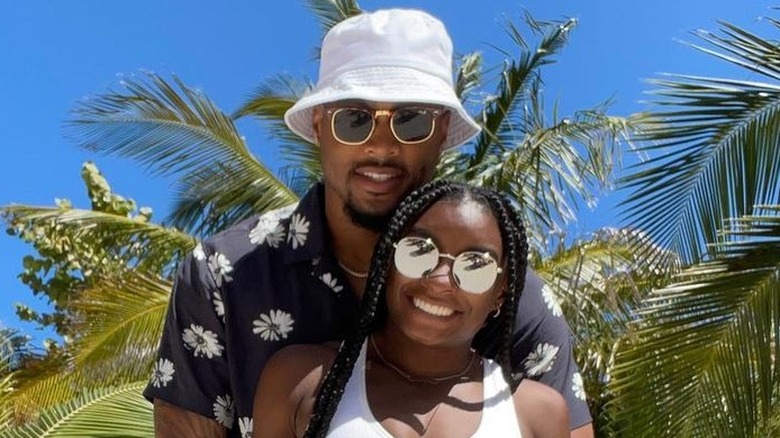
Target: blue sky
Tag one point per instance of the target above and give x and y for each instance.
(55, 53)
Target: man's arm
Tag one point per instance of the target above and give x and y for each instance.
(173, 422)
(190, 378)
(543, 350)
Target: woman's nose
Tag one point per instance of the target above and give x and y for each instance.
(441, 272)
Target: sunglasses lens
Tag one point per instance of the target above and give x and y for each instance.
(414, 256)
(413, 125)
(474, 272)
(352, 125)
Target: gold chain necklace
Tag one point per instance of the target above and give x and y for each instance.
(411, 379)
(351, 272)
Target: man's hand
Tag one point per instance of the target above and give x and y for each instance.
(173, 422)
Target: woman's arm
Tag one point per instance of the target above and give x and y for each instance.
(287, 389)
(541, 411)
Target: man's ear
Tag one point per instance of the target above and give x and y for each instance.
(316, 118)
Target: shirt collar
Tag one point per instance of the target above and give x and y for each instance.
(307, 228)
(309, 216)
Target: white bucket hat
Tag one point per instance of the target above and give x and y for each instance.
(393, 55)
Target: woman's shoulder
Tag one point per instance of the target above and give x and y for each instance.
(310, 352)
(296, 362)
(542, 411)
(288, 386)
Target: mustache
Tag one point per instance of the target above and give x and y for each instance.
(372, 162)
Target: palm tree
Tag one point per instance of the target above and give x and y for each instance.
(701, 360)
(549, 164)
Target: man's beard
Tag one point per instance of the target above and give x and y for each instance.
(369, 221)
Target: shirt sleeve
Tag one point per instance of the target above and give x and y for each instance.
(191, 370)
(542, 347)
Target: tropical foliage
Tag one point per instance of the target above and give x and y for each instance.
(701, 360)
(110, 306)
(691, 307)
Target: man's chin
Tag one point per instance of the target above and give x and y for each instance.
(369, 220)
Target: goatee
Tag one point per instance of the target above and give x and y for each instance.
(373, 222)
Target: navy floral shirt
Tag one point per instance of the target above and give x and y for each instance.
(271, 281)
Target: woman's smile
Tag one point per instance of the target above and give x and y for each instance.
(432, 309)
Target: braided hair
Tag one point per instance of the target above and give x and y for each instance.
(373, 310)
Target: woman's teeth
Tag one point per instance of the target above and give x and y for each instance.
(432, 308)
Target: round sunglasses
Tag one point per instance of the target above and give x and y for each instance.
(409, 124)
(473, 272)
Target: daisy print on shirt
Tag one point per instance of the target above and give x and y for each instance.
(551, 300)
(202, 342)
(330, 280)
(223, 411)
(299, 231)
(162, 373)
(220, 268)
(541, 359)
(274, 325)
(198, 252)
(245, 427)
(578, 386)
(269, 228)
(219, 306)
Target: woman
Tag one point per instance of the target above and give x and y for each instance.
(452, 260)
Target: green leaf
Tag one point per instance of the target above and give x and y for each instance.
(175, 130)
(707, 342)
(111, 412)
(714, 148)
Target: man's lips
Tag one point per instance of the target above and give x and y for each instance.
(379, 174)
(379, 179)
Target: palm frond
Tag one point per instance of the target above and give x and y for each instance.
(603, 279)
(469, 75)
(171, 129)
(273, 97)
(708, 342)
(743, 49)
(597, 285)
(270, 100)
(205, 204)
(515, 79)
(109, 412)
(548, 174)
(7, 353)
(549, 167)
(331, 12)
(715, 145)
(120, 323)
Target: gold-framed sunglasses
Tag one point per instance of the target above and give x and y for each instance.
(472, 271)
(409, 124)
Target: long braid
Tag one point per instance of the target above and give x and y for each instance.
(373, 311)
(513, 233)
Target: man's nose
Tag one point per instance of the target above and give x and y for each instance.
(382, 141)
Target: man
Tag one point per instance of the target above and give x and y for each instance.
(382, 112)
